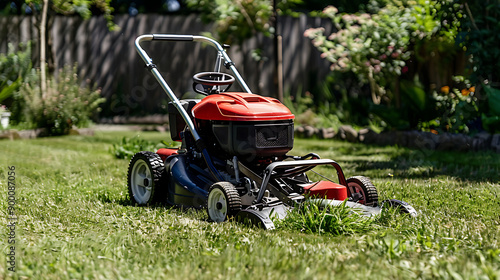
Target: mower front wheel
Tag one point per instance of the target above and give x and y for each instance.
(223, 202)
(146, 174)
(365, 190)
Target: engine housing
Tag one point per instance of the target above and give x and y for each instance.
(245, 125)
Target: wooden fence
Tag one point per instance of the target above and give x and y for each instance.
(109, 59)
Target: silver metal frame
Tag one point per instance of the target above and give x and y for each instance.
(221, 55)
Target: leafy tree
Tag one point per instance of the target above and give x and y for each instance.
(46, 9)
(14, 66)
(238, 20)
(480, 36)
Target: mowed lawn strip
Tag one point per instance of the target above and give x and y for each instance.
(76, 222)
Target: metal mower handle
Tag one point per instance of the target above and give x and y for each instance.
(152, 67)
(186, 38)
(185, 115)
(172, 37)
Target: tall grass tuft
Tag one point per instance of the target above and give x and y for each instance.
(311, 217)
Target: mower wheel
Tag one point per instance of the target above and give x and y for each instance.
(365, 188)
(223, 201)
(146, 175)
(402, 206)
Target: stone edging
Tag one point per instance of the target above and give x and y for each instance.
(12, 134)
(412, 139)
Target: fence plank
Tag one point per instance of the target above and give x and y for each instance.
(110, 61)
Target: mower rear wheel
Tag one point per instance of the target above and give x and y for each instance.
(364, 187)
(146, 174)
(223, 201)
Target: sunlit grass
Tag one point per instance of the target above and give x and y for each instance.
(76, 222)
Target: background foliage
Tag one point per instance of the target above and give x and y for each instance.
(411, 41)
(391, 77)
(382, 47)
(235, 21)
(480, 37)
(14, 68)
(128, 147)
(64, 105)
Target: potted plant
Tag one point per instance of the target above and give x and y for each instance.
(5, 116)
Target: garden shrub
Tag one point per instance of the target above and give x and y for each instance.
(14, 68)
(456, 108)
(373, 46)
(128, 147)
(480, 36)
(301, 107)
(377, 47)
(64, 105)
(491, 119)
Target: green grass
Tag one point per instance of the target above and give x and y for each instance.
(75, 221)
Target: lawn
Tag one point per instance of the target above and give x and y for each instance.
(75, 220)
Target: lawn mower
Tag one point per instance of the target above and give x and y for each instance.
(233, 158)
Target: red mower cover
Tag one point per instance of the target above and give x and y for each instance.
(241, 106)
(327, 189)
(164, 153)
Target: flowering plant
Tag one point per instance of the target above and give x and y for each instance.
(3, 109)
(376, 46)
(373, 46)
(456, 107)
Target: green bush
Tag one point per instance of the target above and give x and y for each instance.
(456, 107)
(14, 67)
(64, 105)
(373, 46)
(302, 107)
(480, 36)
(383, 51)
(235, 21)
(377, 45)
(491, 118)
(130, 146)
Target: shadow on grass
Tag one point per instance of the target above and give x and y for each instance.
(469, 166)
(104, 197)
(124, 200)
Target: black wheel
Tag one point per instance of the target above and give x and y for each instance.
(402, 206)
(146, 177)
(362, 189)
(223, 202)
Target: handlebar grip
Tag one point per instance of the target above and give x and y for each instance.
(168, 37)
